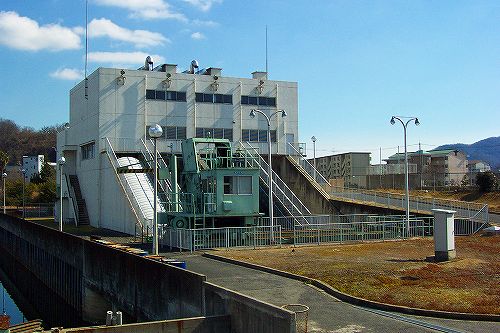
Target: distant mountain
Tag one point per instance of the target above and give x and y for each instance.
(487, 150)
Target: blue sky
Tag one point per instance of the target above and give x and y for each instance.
(357, 63)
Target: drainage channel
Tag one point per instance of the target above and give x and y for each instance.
(417, 322)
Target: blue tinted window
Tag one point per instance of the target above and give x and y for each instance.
(150, 94)
(160, 94)
(181, 96)
(252, 100)
(228, 99)
(199, 97)
(244, 100)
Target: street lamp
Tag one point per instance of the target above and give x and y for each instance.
(4, 176)
(270, 171)
(23, 171)
(407, 193)
(314, 155)
(61, 162)
(155, 131)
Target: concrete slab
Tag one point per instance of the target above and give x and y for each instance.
(327, 314)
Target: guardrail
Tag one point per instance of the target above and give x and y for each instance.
(470, 210)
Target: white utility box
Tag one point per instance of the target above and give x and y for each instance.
(444, 234)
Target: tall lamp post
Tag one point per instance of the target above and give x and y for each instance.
(155, 131)
(314, 155)
(270, 170)
(405, 121)
(4, 176)
(61, 162)
(23, 171)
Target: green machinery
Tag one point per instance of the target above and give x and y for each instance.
(219, 186)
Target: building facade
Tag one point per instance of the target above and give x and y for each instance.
(33, 166)
(351, 167)
(115, 107)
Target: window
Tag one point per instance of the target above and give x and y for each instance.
(88, 151)
(258, 100)
(162, 95)
(216, 133)
(214, 98)
(240, 185)
(251, 135)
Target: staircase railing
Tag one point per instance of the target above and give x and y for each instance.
(281, 191)
(132, 202)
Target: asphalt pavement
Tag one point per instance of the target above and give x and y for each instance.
(326, 313)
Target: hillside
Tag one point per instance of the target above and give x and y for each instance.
(487, 150)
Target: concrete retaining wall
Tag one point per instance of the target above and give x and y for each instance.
(247, 313)
(217, 324)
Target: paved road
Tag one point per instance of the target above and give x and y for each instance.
(327, 314)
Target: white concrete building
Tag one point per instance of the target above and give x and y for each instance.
(33, 166)
(115, 107)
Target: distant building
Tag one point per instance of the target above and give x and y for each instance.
(33, 166)
(474, 167)
(351, 167)
(445, 167)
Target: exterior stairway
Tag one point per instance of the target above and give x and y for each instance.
(83, 216)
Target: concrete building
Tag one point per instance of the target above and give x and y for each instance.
(445, 167)
(351, 167)
(114, 108)
(33, 166)
(474, 167)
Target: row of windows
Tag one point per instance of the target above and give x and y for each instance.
(258, 100)
(88, 151)
(247, 135)
(179, 96)
(214, 98)
(252, 135)
(217, 133)
(171, 132)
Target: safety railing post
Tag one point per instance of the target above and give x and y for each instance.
(227, 238)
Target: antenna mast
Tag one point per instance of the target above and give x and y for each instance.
(266, 54)
(86, 46)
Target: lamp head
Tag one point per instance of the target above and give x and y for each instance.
(392, 121)
(283, 114)
(4, 175)
(61, 160)
(155, 131)
(252, 114)
(313, 139)
(417, 122)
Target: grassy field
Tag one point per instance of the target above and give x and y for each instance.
(398, 272)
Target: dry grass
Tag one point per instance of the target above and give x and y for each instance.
(491, 198)
(398, 272)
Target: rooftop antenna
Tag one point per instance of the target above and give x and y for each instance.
(266, 52)
(86, 46)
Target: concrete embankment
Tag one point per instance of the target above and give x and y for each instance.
(92, 278)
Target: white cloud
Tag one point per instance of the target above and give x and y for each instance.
(145, 9)
(203, 5)
(67, 74)
(23, 33)
(205, 23)
(197, 35)
(126, 58)
(141, 38)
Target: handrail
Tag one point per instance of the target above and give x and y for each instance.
(280, 185)
(72, 195)
(114, 163)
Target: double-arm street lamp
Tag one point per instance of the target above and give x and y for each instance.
(405, 121)
(61, 162)
(270, 170)
(155, 132)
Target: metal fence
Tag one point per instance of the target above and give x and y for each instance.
(38, 210)
(322, 229)
(209, 238)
